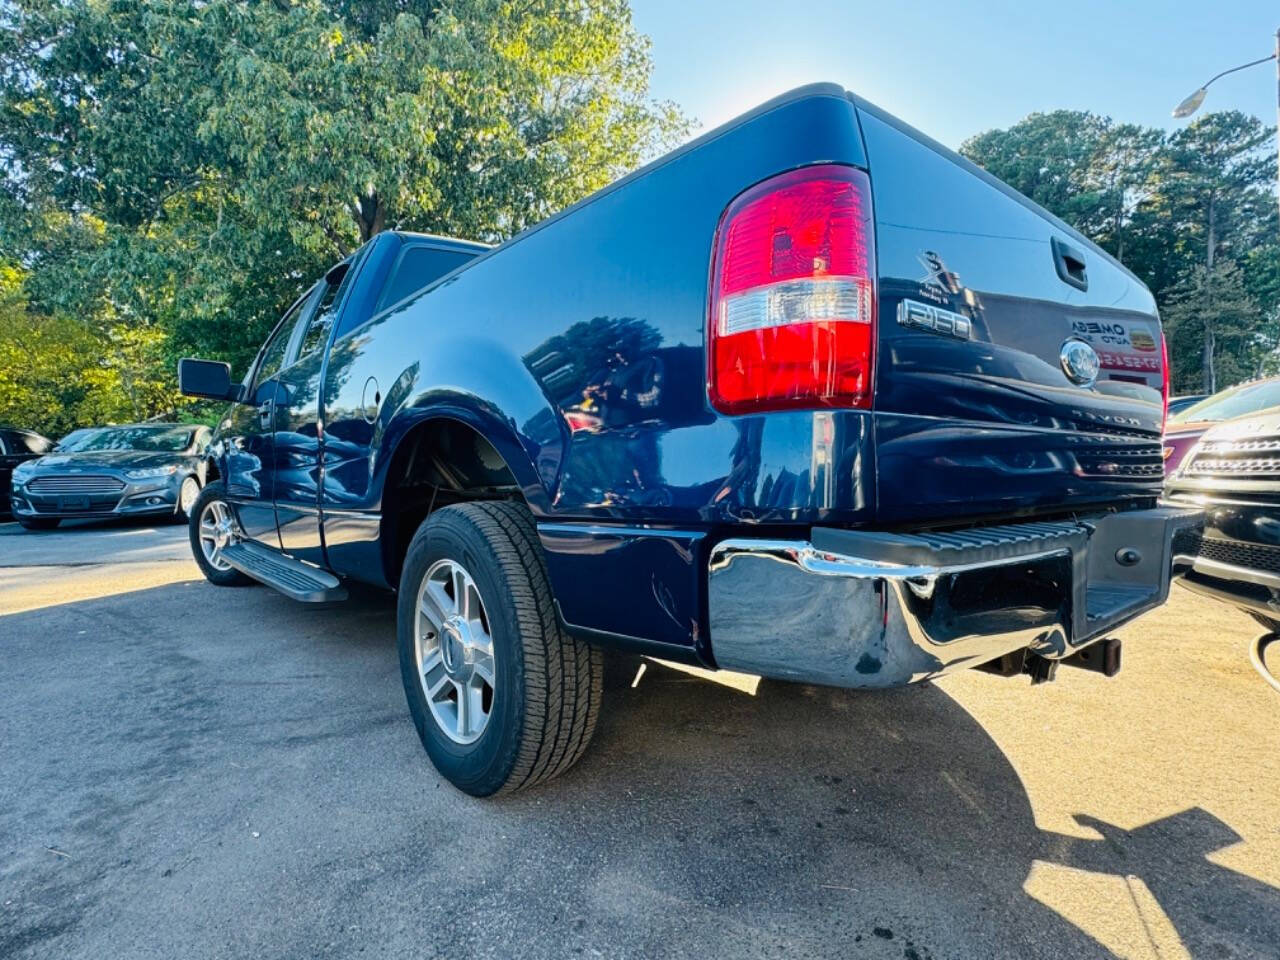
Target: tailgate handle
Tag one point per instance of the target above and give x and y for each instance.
(1069, 262)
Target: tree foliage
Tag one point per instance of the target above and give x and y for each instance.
(1192, 213)
(1212, 307)
(174, 173)
(58, 373)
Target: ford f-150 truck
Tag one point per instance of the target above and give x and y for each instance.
(811, 398)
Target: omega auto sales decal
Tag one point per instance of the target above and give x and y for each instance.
(1121, 345)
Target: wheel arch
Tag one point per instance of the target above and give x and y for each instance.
(445, 455)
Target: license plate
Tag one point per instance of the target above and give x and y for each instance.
(75, 503)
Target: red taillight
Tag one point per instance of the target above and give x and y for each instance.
(792, 319)
(1164, 379)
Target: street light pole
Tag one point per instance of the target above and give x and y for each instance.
(1192, 103)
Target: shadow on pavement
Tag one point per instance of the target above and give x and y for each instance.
(193, 771)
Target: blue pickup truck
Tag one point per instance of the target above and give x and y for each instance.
(811, 398)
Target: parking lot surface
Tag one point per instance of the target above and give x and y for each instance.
(199, 772)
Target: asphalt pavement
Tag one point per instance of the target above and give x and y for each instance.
(188, 771)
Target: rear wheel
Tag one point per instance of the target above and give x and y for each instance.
(38, 523)
(212, 526)
(502, 697)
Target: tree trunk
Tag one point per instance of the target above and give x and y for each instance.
(1118, 225)
(1210, 384)
(371, 215)
(126, 381)
(1210, 377)
(1210, 238)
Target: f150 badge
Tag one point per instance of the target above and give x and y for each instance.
(924, 316)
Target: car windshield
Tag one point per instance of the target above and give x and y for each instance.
(1234, 402)
(159, 438)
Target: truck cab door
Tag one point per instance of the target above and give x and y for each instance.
(298, 420)
(360, 378)
(248, 434)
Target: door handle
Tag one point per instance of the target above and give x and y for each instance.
(264, 412)
(1069, 262)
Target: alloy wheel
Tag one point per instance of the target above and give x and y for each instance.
(454, 651)
(217, 531)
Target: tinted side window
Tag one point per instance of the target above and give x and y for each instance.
(273, 356)
(418, 266)
(273, 353)
(6, 442)
(330, 301)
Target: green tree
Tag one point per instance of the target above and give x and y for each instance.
(1051, 158)
(182, 171)
(1213, 307)
(56, 373)
(1216, 184)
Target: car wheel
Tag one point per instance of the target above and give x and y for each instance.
(212, 525)
(39, 523)
(502, 696)
(187, 494)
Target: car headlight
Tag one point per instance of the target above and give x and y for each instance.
(147, 473)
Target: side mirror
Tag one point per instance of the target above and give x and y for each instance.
(208, 379)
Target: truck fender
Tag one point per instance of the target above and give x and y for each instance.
(490, 390)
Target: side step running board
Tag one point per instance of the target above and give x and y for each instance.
(293, 578)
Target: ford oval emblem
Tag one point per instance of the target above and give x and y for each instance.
(1079, 362)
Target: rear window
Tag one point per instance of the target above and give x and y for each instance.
(418, 266)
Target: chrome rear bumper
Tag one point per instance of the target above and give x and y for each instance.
(861, 609)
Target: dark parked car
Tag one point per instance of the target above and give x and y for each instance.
(17, 446)
(135, 470)
(811, 397)
(1184, 431)
(1234, 475)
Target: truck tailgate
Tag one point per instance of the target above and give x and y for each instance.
(983, 401)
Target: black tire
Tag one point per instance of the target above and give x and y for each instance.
(180, 515)
(1268, 622)
(39, 523)
(547, 696)
(231, 577)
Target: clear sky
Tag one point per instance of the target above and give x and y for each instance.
(955, 69)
